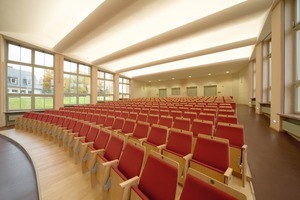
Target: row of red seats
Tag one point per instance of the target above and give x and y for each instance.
(89, 134)
(234, 133)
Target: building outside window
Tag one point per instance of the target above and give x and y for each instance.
(105, 86)
(77, 83)
(124, 88)
(30, 79)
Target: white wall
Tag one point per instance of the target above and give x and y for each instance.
(227, 85)
(244, 85)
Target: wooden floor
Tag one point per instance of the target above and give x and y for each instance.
(274, 160)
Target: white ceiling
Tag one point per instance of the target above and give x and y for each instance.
(148, 40)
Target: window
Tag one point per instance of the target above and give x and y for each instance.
(175, 91)
(297, 40)
(105, 89)
(124, 88)
(77, 83)
(30, 76)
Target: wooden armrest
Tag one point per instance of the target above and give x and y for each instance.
(111, 163)
(130, 182)
(128, 134)
(228, 172)
(188, 157)
(70, 134)
(228, 175)
(163, 146)
(100, 151)
(244, 147)
(87, 143)
(77, 138)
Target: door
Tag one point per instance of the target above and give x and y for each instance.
(210, 90)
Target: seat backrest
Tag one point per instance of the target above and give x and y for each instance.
(124, 114)
(200, 186)
(175, 113)
(158, 179)
(44, 117)
(163, 112)
(82, 116)
(77, 126)
(109, 121)
(226, 112)
(232, 119)
(190, 115)
(207, 117)
(114, 148)
(212, 151)
(94, 118)
(66, 122)
(166, 121)
(118, 123)
(153, 118)
(102, 139)
(233, 132)
(158, 135)
(129, 125)
(71, 124)
(88, 117)
(182, 123)
(131, 160)
(84, 129)
(60, 120)
(92, 134)
(142, 117)
(141, 129)
(202, 127)
(101, 119)
(133, 116)
(179, 141)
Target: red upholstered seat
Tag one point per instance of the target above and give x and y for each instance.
(158, 180)
(182, 123)
(202, 127)
(200, 187)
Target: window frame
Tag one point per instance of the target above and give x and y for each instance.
(124, 82)
(14, 88)
(77, 94)
(106, 96)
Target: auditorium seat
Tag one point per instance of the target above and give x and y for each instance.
(238, 150)
(166, 121)
(72, 137)
(198, 186)
(182, 123)
(179, 148)
(112, 152)
(158, 179)
(208, 117)
(156, 139)
(100, 143)
(190, 115)
(140, 132)
(81, 143)
(125, 173)
(231, 119)
(152, 119)
(211, 157)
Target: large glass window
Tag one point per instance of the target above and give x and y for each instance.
(175, 91)
(105, 89)
(77, 83)
(124, 88)
(30, 79)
